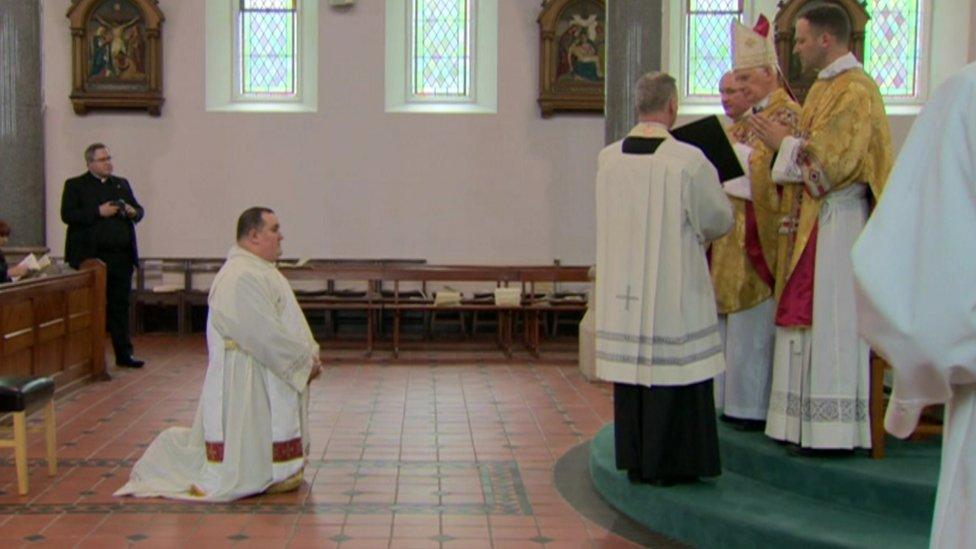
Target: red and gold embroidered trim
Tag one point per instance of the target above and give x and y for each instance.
(215, 452)
(814, 176)
(285, 450)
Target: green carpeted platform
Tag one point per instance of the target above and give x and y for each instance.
(768, 498)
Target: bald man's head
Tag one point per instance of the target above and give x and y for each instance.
(733, 101)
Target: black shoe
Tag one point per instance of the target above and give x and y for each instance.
(741, 424)
(129, 362)
(750, 425)
(800, 451)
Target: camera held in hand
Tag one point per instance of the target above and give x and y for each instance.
(120, 204)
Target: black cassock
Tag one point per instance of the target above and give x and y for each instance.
(666, 434)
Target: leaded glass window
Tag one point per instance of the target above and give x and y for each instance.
(709, 46)
(440, 44)
(891, 46)
(266, 46)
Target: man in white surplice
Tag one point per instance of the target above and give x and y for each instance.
(828, 176)
(913, 267)
(659, 202)
(250, 432)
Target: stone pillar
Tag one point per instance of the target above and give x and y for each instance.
(634, 30)
(21, 122)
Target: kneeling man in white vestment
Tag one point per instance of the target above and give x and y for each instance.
(659, 202)
(250, 432)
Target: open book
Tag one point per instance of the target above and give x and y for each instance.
(34, 266)
(709, 136)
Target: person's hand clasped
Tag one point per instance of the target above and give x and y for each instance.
(769, 132)
(109, 209)
(130, 211)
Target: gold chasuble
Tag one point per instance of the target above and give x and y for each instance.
(752, 242)
(845, 140)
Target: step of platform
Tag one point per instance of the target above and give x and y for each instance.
(738, 510)
(908, 474)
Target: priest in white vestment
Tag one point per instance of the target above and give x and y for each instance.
(250, 432)
(914, 267)
(829, 176)
(659, 202)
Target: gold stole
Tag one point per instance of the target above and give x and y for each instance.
(846, 140)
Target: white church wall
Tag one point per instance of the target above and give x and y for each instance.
(350, 180)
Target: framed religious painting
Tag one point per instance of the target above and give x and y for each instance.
(573, 56)
(116, 55)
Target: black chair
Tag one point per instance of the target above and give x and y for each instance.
(17, 395)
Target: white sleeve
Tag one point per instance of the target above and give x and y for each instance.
(785, 168)
(709, 210)
(245, 312)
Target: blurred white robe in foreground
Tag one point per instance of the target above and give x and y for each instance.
(250, 430)
(916, 289)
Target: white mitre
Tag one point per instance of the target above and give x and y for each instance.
(753, 47)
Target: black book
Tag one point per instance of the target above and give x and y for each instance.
(708, 135)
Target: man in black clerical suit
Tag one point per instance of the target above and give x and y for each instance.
(101, 212)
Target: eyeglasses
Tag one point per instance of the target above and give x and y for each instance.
(106, 159)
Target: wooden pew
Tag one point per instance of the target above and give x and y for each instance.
(147, 291)
(196, 288)
(15, 253)
(55, 326)
(554, 275)
(191, 272)
(366, 273)
(496, 275)
(332, 300)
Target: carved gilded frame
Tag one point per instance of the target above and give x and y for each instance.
(116, 55)
(572, 56)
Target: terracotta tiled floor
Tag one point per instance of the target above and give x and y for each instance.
(448, 449)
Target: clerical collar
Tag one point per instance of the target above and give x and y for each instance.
(103, 180)
(649, 129)
(761, 105)
(843, 63)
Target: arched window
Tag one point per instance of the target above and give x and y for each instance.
(707, 43)
(262, 55)
(440, 48)
(441, 55)
(266, 49)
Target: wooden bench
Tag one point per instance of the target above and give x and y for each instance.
(54, 326)
(435, 273)
(334, 300)
(497, 276)
(197, 278)
(184, 284)
(382, 289)
(154, 291)
(554, 303)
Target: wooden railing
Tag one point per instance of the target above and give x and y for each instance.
(55, 326)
